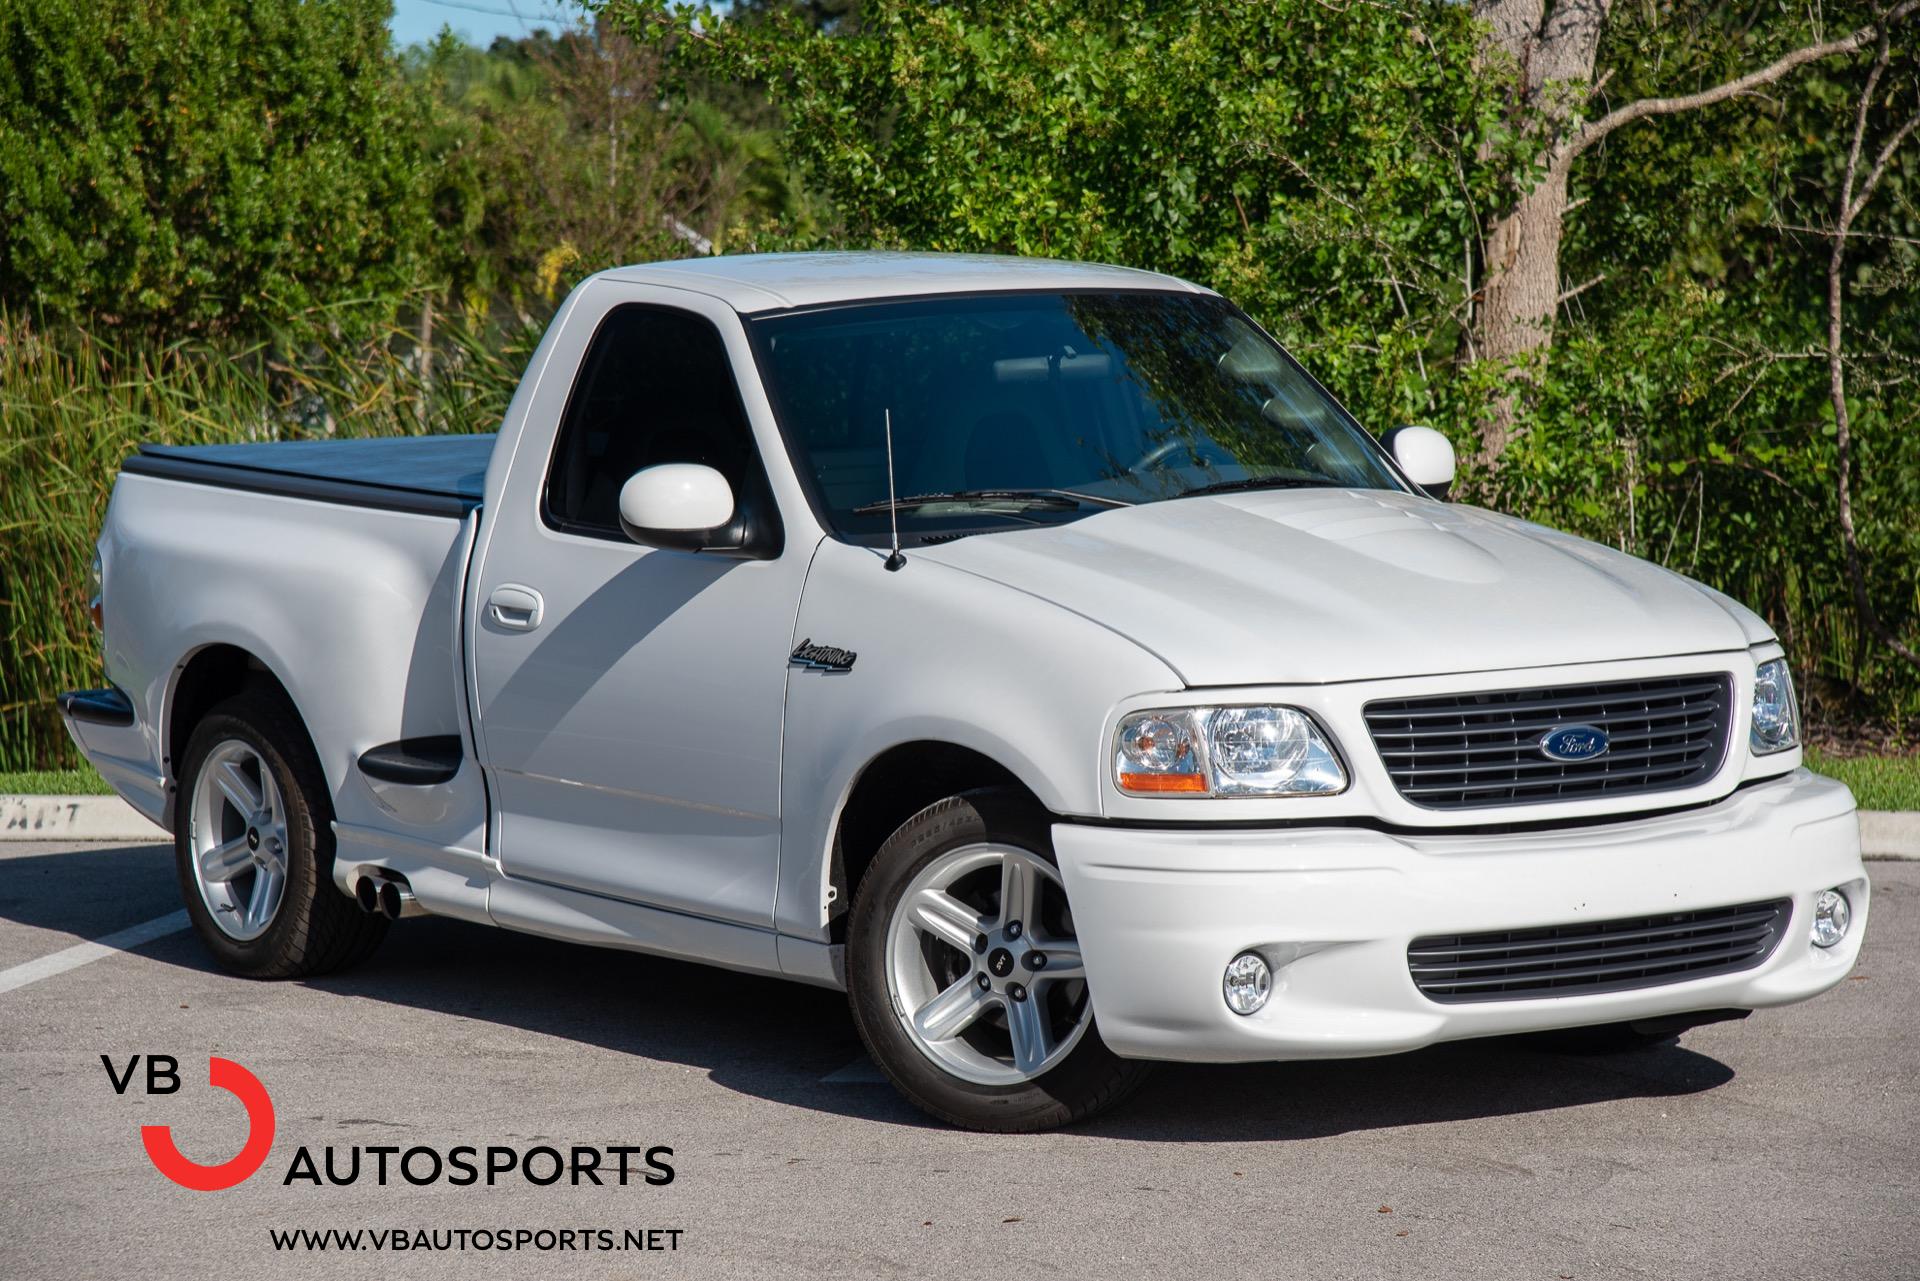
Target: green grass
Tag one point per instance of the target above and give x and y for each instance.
(54, 782)
(1878, 782)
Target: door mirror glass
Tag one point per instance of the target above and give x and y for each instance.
(676, 505)
(1424, 455)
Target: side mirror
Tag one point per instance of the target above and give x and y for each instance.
(683, 506)
(1424, 455)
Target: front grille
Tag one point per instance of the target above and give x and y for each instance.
(1596, 956)
(1466, 751)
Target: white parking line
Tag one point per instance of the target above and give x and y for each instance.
(80, 954)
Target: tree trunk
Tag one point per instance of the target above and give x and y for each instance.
(1514, 317)
(1553, 50)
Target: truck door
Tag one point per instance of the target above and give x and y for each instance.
(629, 698)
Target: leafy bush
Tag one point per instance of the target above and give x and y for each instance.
(204, 166)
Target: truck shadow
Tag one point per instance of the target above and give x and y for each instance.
(796, 1045)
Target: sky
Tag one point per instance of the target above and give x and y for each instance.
(479, 21)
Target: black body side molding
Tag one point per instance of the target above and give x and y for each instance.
(101, 706)
(417, 762)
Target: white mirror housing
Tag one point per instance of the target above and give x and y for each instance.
(674, 498)
(1424, 455)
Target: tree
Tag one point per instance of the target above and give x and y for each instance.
(1321, 165)
(1857, 188)
(1340, 167)
(1551, 47)
(203, 165)
(556, 156)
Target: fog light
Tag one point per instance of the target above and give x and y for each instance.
(1248, 982)
(1832, 914)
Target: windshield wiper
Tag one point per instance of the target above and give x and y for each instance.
(1056, 499)
(1263, 482)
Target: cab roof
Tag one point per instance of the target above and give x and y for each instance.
(774, 282)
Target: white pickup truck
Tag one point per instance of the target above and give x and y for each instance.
(1030, 648)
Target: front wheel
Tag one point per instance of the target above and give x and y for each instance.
(965, 975)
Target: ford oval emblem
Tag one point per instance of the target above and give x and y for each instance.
(1573, 743)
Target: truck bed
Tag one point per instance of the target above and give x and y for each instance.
(426, 475)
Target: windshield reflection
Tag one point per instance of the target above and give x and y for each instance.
(1003, 404)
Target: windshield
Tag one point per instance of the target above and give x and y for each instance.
(1012, 410)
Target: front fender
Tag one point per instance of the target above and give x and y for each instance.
(941, 655)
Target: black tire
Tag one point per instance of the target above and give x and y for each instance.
(317, 929)
(1089, 1080)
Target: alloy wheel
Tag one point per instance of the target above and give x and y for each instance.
(983, 968)
(239, 840)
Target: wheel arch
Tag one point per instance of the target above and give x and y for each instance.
(204, 678)
(888, 790)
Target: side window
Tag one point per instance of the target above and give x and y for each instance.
(656, 387)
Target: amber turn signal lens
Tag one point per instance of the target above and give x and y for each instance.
(1163, 783)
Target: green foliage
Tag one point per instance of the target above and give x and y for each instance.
(551, 163)
(553, 158)
(204, 166)
(1321, 166)
(1684, 414)
(1334, 168)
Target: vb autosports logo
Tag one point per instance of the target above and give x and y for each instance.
(463, 1166)
(163, 1077)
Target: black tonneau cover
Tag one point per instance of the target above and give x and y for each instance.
(428, 475)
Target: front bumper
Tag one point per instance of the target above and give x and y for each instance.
(1160, 913)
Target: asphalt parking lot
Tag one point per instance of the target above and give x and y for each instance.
(1786, 1146)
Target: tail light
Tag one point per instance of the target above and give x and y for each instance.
(97, 592)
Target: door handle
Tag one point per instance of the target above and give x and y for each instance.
(515, 608)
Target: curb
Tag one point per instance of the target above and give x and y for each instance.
(74, 818)
(1889, 834)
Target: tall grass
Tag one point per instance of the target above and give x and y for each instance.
(73, 405)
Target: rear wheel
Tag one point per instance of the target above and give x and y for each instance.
(253, 846)
(965, 973)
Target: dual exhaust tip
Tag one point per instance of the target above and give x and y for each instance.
(389, 896)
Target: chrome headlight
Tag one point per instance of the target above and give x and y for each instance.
(1225, 751)
(1776, 718)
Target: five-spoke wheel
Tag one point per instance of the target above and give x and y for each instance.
(253, 844)
(239, 840)
(965, 973)
(983, 966)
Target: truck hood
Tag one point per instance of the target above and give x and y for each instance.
(1314, 586)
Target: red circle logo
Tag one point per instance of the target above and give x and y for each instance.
(222, 1074)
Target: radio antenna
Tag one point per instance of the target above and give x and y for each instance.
(896, 559)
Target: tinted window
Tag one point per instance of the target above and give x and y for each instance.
(656, 387)
(1126, 397)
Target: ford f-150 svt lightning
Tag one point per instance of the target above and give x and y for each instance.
(1032, 649)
